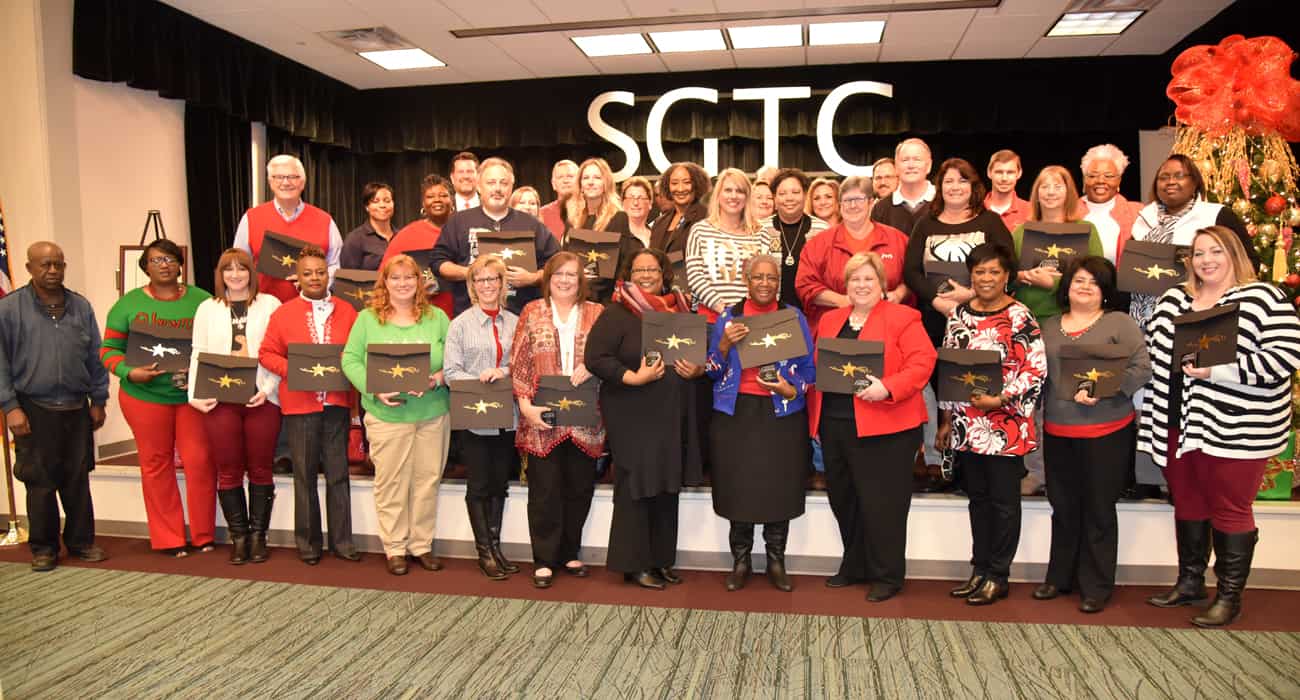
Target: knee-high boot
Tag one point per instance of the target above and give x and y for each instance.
(741, 539)
(235, 508)
(1233, 553)
(1193, 537)
(774, 536)
(496, 508)
(478, 522)
(260, 498)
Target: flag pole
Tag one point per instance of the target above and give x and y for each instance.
(16, 534)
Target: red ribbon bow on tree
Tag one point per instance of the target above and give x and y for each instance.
(1240, 82)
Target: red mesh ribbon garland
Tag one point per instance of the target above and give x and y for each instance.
(1240, 82)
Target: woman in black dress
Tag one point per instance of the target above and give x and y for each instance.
(650, 420)
(760, 455)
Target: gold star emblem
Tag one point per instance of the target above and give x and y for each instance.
(398, 371)
(566, 403)
(594, 255)
(358, 294)
(319, 370)
(1205, 341)
(1155, 271)
(673, 342)
(226, 381)
(971, 379)
(483, 406)
(769, 340)
(285, 260)
(1055, 251)
(508, 253)
(849, 370)
(1094, 374)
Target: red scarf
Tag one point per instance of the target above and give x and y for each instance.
(638, 302)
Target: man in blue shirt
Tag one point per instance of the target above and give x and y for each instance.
(53, 390)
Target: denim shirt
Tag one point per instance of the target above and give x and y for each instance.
(470, 349)
(800, 372)
(54, 363)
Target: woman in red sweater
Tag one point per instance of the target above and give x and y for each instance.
(869, 439)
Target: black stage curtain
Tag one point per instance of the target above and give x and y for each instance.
(218, 164)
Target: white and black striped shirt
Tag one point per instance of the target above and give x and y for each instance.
(1243, 411)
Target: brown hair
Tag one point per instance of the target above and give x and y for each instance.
(576, 206)
(379, 301)
(1242, 270)
(1005, 155)
(561, 258)
(967, 171)
(1071, 194)
(239, 257)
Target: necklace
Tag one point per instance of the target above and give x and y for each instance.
(856, 322)
(1079, 331)
(789, 245)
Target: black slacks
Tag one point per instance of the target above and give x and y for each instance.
(318, 443)
(54, 462)
(869, 486)
(643, 531)
(993, 486)
(1085, 479)
(560, 487)
(488, 460)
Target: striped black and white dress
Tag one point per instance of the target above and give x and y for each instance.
(1243, 411)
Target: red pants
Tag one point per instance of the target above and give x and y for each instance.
(243, 441)
(159, 430)
(1216, 489)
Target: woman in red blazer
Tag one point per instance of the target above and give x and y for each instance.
(869, 438)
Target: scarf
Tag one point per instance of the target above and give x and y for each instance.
(638, 302)
(1144, 305)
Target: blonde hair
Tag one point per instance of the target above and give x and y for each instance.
(865, 258)
(747, 220)
(1242, 270)
(610, 205)
(379, 301)
(1071, 206)
(489, 262)
(835, 196)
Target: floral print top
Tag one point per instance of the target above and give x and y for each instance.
(1013, 332)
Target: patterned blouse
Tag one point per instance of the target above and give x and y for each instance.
(1013, 332)
(536, 353)
(714, 259)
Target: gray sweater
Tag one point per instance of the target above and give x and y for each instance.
(1114, 328)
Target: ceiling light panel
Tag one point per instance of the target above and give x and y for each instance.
(402, 59)
(689, 40)
(766, 36)
(1093, 23)
(612, 45)
(845, 33)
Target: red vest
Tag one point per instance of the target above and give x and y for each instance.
(312, 226)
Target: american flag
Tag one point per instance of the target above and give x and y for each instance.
(5, 285)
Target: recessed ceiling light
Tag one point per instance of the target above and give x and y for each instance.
(612, 45)
(841, 33)
(766, 37)
(402, 59)
(689, 40)
(1093, 23)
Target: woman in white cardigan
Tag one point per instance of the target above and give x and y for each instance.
(241, 438)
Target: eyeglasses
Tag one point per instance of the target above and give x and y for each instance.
(646, 270)
(765, 278)
(1171, 177)
(853, 201)
(286, 178)
(487, 281)
(1108, 177)
(163, 260)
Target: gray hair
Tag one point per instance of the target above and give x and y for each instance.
(1105, 151)
(914, 141)
(748, 266)
(286, 159)
(498, 162)
(861, 183)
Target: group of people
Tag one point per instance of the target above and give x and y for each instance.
(847, 259)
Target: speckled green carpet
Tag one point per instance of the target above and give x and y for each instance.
(83, 633)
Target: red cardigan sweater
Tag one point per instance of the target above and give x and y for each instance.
(909, 361)
(289, 324)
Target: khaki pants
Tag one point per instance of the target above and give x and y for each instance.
(408, 458)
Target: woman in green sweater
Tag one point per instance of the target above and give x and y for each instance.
(409, 432)
(156, 406)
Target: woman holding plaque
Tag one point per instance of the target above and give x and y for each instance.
(719, 246)
(1103, 206)
(422, 235)
(823, 200)
(760, 454)
(992, 433)
(1053, 200)
(686, 185)
(597, 207)
(550, 340)
(790, 227)
(1213, 428)
(1089, 428)
(869, 437)
(242, 438)
(408, 431)
(155, 405)
(364, 246)
(478, 348)
(650, 410)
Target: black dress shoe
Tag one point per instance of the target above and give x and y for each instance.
(93, 553)
(988, 593)
(579, 571)
(880, 594)
(971, 585)
(667, 574)
(44, 562)
(542, 581)
(1092, 605)
(1046, 591)
(645, 579)
(348, 554)
(311, 559)
(282, 465)
(841, 581)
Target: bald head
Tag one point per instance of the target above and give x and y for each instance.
(46, 266)
(41, 249)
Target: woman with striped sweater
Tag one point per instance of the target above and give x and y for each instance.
(1231, 418)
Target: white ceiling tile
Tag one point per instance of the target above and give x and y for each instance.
(924, 36)
(497, 13)
(769, 58)
(1001, 37)
(323, 19)
(1056, 46)
(824, 55)
(569, 11)
(1026, 7)
(704, 60)
(622, 65)
(1161, 28)
(669, 8)
(545, 54)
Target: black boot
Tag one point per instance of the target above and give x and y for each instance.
(742, 543)
(478, 522)
(496, 508)
(1232, 556)
(774, 536)
(1193, 538)
(260, 499)
(235, 508)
